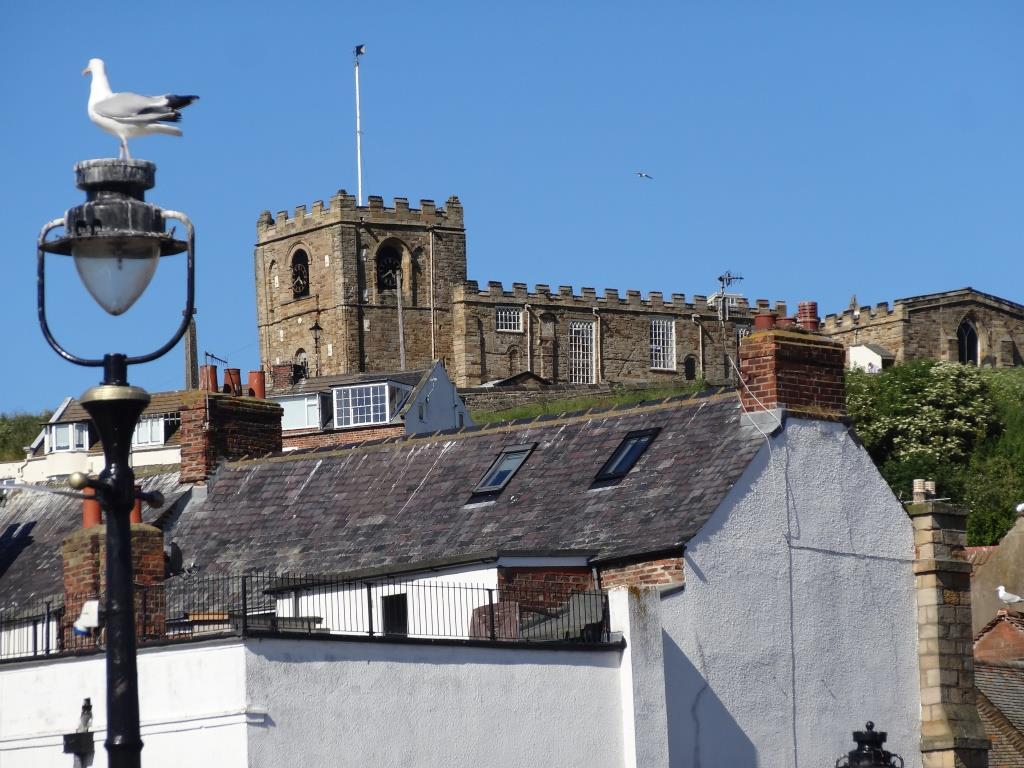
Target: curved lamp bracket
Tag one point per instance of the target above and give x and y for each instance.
(115, 363)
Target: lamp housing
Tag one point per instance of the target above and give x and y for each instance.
(115, 236)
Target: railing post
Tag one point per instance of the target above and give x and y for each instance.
(369, 607)
(145, 613)
(490, 608)
(46, 630)
(245, 607)
(35, 637)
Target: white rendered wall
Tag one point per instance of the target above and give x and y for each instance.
(192, 701)
(41, 468)
(360, 704)
(798, 620)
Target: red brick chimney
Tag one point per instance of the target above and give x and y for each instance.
(217, 426)
(83, 556)
(794, 369)
(284, 375)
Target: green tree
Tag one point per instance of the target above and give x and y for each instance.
(18, 430)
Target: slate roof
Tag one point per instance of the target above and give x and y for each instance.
(410, 498)
(1001, 706)
(326, 383)
(33, 526)
(159, 403)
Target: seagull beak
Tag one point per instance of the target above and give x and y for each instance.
(86, 71)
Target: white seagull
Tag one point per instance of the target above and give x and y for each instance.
(1008, 597)
(127, 115)
(643, 175)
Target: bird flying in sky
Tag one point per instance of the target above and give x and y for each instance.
(1008, 597)
(643, 175)
(127, 115)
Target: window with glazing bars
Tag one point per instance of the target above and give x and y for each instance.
(509, 319)
(663, 343)
(581, 352)
(356, 406)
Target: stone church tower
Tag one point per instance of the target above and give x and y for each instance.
(360, 274)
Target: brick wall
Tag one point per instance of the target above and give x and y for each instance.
(83, 556)
(659, 572)
(1003, 641)
(317, 439)
(218, 426)
(526, 593)
(797, 370)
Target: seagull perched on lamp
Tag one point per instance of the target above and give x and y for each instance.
(1007, 597)
(127, 115)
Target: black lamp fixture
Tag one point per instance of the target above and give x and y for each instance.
(317, 331)
(116, 239)
(869, 752)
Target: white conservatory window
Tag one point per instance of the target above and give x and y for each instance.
(360, 405)
(149, 431)
(300, 412)
(510, 319)
(581, 352)
(663, 344)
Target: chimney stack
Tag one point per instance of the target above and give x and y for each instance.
(91, 513)
(258, 385)
(793, 368)
(283, 375)
(233, 381)
(807, 316)
(217, 426)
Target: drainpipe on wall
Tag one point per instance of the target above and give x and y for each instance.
(529, 338)
(597, 346)
(700, 343)
(433, 354)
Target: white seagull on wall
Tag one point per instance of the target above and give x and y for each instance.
(1008, 597)
(127, 115)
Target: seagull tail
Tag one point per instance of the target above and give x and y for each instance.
(179, 102)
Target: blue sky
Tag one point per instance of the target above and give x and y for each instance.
(818, 149)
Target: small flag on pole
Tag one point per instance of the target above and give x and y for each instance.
(360, 49)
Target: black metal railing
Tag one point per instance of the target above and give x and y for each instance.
(190, 607)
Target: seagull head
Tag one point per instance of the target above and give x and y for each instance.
(94, 67)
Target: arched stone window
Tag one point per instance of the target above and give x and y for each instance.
(300, 274)
(302, 362)
(389, 261)
(690, 368)
(967, 342)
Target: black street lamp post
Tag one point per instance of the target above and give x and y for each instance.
(117, 239)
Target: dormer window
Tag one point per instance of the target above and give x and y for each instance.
(627, 454)
(362, 405)
(149, 431)
(67, 437)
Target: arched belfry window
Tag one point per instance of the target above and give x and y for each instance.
(389, 261)
(302, 362)
(967, 342)
(300, 274)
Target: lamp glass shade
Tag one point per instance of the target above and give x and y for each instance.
(116, 270)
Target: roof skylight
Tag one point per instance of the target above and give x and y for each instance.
(627, 454)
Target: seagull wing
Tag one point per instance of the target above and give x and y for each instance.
(134, 108)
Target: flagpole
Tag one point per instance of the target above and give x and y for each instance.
(359, 134)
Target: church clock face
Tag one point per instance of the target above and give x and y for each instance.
(299, 282)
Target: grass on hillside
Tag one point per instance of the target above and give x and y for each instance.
(583, 403)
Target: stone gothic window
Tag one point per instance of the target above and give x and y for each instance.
(300, 275)
(302, 362)
(389, 262)
(967, 343)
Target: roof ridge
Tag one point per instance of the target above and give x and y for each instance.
(711, 395)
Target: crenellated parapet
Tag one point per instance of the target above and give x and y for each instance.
(342, 208)
(565, 296)
(863, 316)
